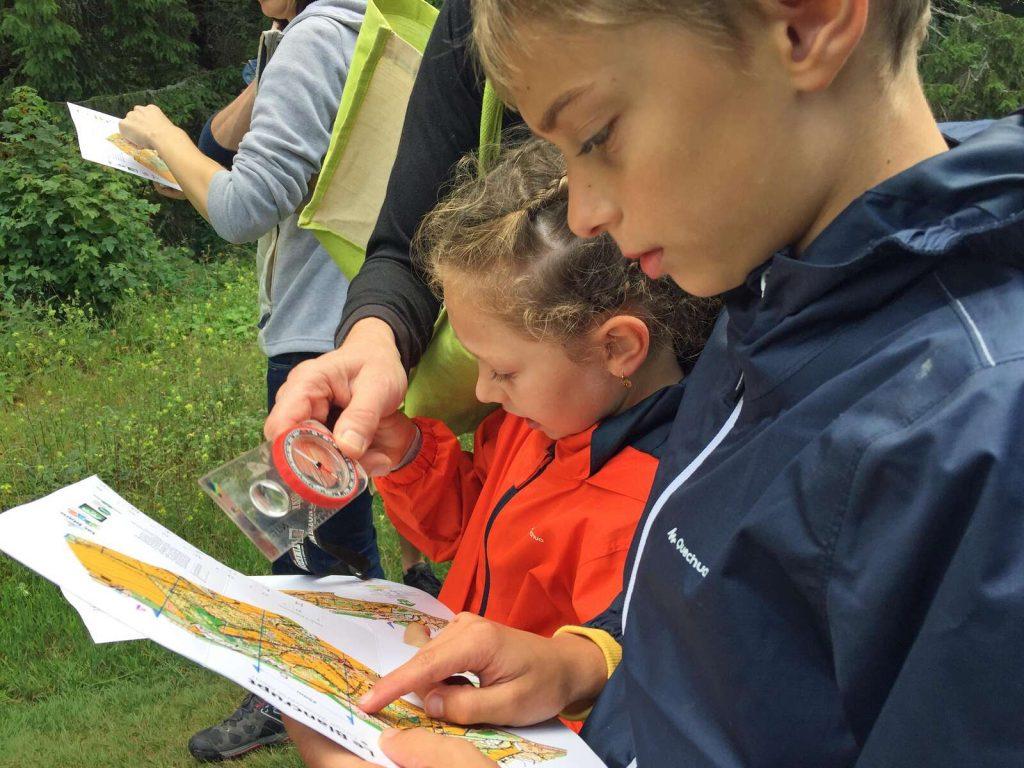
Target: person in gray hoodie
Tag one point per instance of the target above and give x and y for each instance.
(301, 68)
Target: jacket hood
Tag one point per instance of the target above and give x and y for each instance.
(645, 427)
(347, 12)
(967, 203)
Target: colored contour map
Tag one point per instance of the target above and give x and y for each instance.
(366, 609)
(283, 644)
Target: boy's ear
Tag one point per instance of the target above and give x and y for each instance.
(625, 342)
(816, 38)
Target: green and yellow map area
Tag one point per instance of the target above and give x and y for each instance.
(284, 645)
(366, 609)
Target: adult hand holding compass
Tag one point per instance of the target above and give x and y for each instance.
(365, 378)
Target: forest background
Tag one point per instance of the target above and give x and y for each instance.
(127, 346)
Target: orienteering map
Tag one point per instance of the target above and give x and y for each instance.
(307, 648)
(281, 643)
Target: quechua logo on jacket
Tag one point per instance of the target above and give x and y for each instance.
(688, 556)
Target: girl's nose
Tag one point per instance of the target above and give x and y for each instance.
(486, 390)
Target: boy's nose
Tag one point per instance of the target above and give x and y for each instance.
(591, 212)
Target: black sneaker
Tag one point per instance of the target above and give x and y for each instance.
(253, 725)
(421, 577)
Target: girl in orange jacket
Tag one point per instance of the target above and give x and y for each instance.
(582, 352)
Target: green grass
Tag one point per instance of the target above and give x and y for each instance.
(170, 387)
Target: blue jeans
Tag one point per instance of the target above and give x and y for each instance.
(352, 526)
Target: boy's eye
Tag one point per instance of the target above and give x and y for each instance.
(495, 376)
(598, 139)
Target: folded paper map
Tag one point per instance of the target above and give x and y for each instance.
(100, 141)
(310, 647)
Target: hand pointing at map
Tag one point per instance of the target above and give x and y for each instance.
(524, 678)
(144, 126)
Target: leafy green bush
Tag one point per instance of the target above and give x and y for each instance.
(69, 228)
(973, 63)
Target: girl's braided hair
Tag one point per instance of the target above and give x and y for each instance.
(504, 234)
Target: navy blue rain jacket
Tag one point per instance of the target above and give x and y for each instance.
(830, 571)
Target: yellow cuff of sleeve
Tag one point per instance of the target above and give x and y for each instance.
(612, 656)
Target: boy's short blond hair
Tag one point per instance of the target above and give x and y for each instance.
(899, 26)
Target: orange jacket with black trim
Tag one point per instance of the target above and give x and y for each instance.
(537, 530)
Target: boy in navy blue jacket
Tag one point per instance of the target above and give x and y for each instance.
(830, 569)
(863, 600)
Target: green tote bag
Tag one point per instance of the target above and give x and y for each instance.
(354, 176)
(349, 193)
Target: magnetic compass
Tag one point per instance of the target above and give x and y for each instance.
(312, 467)
(279, 493)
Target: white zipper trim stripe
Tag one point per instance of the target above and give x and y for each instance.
(681, 478)
(965, 316)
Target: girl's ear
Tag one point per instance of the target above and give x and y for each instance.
(624, 341)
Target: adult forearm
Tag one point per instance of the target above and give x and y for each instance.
(375, 333)
(149, 128)
(232, 123)
(388, 289)
(193, 170)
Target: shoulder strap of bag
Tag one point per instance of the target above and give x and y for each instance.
(492, 114)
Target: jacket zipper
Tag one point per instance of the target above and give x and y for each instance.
(505, 499)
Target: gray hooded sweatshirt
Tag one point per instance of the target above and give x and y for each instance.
(302, 292)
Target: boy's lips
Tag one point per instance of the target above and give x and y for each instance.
(650, 261)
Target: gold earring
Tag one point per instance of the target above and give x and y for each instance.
(625, 381)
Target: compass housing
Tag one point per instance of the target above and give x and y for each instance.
(312, 467)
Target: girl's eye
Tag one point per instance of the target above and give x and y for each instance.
(499, 377)
(597, 140)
